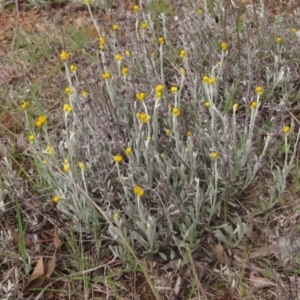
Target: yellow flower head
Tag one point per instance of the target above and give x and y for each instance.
(136, 8)
(106, 75)
(159, 91)
(278, 40)
(49, 150)
(286, 129)
(143, 117)
(81, 165)
(41, 120)
(116, 216)
(56, 199)
(207, 104)
(200, 11)
(31, 138)
(115, 27)
(189, 133)
(25, 105)
(67, 108)
(182, 53)
(128, 53)
(211, 80)
(159, 88)
(64, 55)
(174, 89)
(84, 94)
(138, 191)
(158, 95)
(161, 40)
(73, 68)
(182, 71)
(66, 167)
(224, 46)
(205, 79)
(294, 30)
(168, 131)
(102, 40)
(144, 26)
(140, 96)
(118, 57)
(176, 111)
(214, 155)
(235, 106)
(128, 151)
(253, 104)
(86, 1)
(68, 90)
(101, 47)
(125, 71)
(259, 90)
(118, 158)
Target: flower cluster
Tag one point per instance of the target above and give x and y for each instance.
(159, 91)
(68, 90)
(143, 117)
(106, 75)
(64, 55)
(66, 165)
(67, 108)
(140, 96)
(259, 90)
(41, 120)
(102, 42)
(138, 191)
(209, 80)
(25, 105)
(224, 46)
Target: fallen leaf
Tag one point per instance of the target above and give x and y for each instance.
(221, 255)
(260, 282)
(79, 22)
(57, 240)
(264, 251)
(37, 278)
(178, 285)
(50, 265)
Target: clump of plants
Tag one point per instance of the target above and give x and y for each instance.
(156, 143)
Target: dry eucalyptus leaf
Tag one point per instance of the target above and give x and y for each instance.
(37, 278)
(264, 251)
(51, 265)
(220, 254)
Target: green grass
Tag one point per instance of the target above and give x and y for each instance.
(168, 195)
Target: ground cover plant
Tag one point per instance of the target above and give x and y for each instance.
(150, 151)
